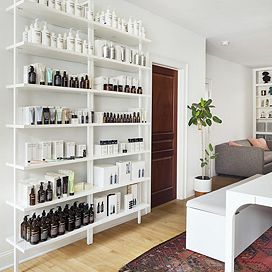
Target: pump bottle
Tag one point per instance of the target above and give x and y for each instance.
(36, 33)
(78, 43)
(46, 38)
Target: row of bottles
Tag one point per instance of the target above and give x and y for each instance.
(52, 224)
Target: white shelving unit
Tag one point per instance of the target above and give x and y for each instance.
(262, 104)
(31, 10)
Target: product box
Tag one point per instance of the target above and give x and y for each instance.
(111, 204)
(137, 170)
(46, 151)
(115, 149)
(142, 145)
(100, 207)
(119, 201)
(123, 148)
(98, 47)
(137, 146)
(128, 202)
(105, 175)
(98, 117)
(69, 150)
(110, 149)
(124, 171)
(130, 147)
(26, 115)
(24, 189)
(133, 189)
(100, 150)
(79, 187)
(57, 150)
(81, 151)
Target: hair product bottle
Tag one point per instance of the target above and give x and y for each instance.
(32, 197)
(34, 233)
(41, 194)
(49, 192)
(57, 79)
(32, 77)
(24, 228)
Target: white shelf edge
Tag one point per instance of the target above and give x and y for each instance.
(24, 246)
(263, 84)
(119, 94)
(120, 124)
(85, 193)
(263, 133)
(121, 155)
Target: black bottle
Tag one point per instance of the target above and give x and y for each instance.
(71, 83)
(102, 207)
(43, 230)
(64, 81)
(61, 224)
(133, 89)
(127, 89)
(77, 218)
(82, 83)
(32, 76)
(65, 185)
(134, 118)
(91, 214)
(58, 189)
(28, 226)
(111, 118)
(118, 120)
(108, 118)
(98, 208)
(24, 228)
(85, 216)
(57, 79)
(114, 120)
(49, 192)
(34, 233)
(104, 118)
(139, 90)
(87, 82)
(41, 194)
(32, 197)
(46, 116)
(70, 221)
(53, 227)
(138, 118)
(76, 82)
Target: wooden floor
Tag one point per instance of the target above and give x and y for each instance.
(115, 247)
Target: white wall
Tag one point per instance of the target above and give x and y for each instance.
(168, 40)
(232, 95)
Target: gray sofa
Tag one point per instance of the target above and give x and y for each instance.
(243, 161)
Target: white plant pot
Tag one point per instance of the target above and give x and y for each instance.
(203, 185)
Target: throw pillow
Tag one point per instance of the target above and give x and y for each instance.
(261, 143)
(231, 143)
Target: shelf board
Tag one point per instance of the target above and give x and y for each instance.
(118, 65)
(121, 155)
(264, 108)
(48, 164)
(120, 124)
(47, 126)
(263, 84)
(36, 87)
(115, 35)
(25, 209)
(264, 96)
(119, 94)
(263, 133)
(49, 52)
(24, 246)
(32, 10)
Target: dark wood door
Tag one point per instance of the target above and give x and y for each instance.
(164, 135)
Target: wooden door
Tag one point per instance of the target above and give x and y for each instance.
(164, 135)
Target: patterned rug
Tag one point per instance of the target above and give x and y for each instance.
(171, 256)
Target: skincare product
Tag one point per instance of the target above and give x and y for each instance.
(78, 9)
(29, 34)
(69, 150)
(112, 51)
(64, 82)
(106, 51)
(25, 34)
(57, 79)
(81, 151)
(70, 7)
(52, 112)
(46, 116)
(70, 39)
(36, 33)
(49, 192)
(32, 197)
(46, 38)
(58, 5)
(49, 76)
(32, 75)
(59, 115)
(38, 115)
(60, 44)
(53, 40)
(71, 176)
(41, 194)
(65, 182)
(57, 150)
(34, 233)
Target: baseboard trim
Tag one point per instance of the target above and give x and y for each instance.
(6, 257)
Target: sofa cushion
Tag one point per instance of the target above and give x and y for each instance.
(215, 202)
(267, 157)
(243, 143)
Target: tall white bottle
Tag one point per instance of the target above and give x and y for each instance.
(36, 32)
(78, 43)
(29, 36)
(46, 36)
(70, 41)
(25, 34)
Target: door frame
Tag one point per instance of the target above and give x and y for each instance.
(182, 117)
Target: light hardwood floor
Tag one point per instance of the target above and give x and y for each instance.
(115, 247)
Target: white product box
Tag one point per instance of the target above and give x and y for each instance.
(128, 202)
(115, 149)
(98, 117)
(98, 47)
(24, 189)
(53, 177)
(46, 151)
(81, 151)
(26, 115)
(69, 150)
(111, 204)
(133, 189)
(122, 147)
(101, 80)
(130, 147)
(137, 170)
(119, 201)
(129, 81)
(79, 187)
(110, 149)
(142, 146)
(100, 150)
(26, 71)
(105, 175)
(137, 146)
(100, 207)
(57, 150)
(124, 171)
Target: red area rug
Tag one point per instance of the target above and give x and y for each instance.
(172, 256)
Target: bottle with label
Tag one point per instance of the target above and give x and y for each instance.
(32, 197)
(64, 81)
(106, 51)
(53, 40)
(61, 225)
(25, 34)
(87, 82)
(60, 44)
(58, 188)
(72, 82)
(24, 228)
(108, 18)
(36, 33)
(82, 83)
(58, 5)
(92, 213)
(53, 227)
(85, 215)
(43, 230)
(70, 41)
(49, 192)
(76, 82)
(41, 194)
(70, 7)
(70, 221)
(102, 18)
(78, 9)
(46, 37)
(114, 20)
(112, 51)
(32, 76)
(57, 79)
(77, 218)
(34, 233)
(78, 43)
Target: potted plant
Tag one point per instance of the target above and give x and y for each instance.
(202, 117)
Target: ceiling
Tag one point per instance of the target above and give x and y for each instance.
(247, 24)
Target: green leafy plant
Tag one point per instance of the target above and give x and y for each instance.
(203, 117)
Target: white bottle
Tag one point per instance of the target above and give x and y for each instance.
(119, 24)
(60, 44)
(58, 5)
(36, 32)
(63, 5)
(114, 20)
(135, 28)
(143, 32)
(85, 47)
(43, 2)
(124, 25)
(65, 40)
(130, 27)
(102, 19)
(25, 34)
(70, 7)
(78, 9)
(29, 36)
(97, 17)
(53, 40)
(108, 18)
(51, 3)
(46, 39)
(78, 43)
(70, 41)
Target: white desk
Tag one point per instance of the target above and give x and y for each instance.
(257, 191)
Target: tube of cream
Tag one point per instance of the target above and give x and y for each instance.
(42, 76)
(59, 115)
(49, 76)
(66, 116)
(52, 111)
(38, 114)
